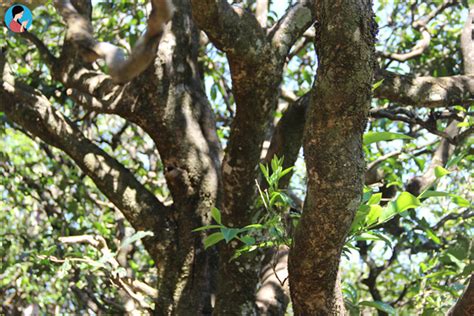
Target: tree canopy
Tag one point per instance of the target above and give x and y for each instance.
(252, 157)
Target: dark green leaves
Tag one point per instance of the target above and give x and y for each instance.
(372, 214)
(213, 239)
(270, 229)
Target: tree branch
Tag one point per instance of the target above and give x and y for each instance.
(445, 149)
(93, 90)
(420, 47)
(409, 118)
(336, 120)
(232, 29)
(439, 159)
(292, 26)
(287, 138)
(453, 216)
(428, 92)
(49, 58)
(467, 42)
(421, 26)
(261, 12)
(33, 112)
(121, 69)
(465, 304)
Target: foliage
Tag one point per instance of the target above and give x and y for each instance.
(271, 227)
(418, 248)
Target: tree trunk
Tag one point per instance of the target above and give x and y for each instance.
(174, 107)
(333, 151)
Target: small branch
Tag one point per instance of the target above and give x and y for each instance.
(421, 26)
(441, 156)
(420, 47)
(95, 241)
(288, 95)
(44, 51)
(411, 120)
(396, 153)
(453, 216)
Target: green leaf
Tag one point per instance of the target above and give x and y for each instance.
(229, 233)
(254, 226)
(248, 240)
(274, 163)
(462, 202)
(366, 196)
(375, 199)
(264, 170)
(372, 236)
(404, 202)
(137, 236)
(381, 306)
(359, 218)
(213, 239)
(428, 194)
(373, 137)
(455, 160)
(431, 235)
(285, 172)
(440, 172)
(367, 236)
(206, 227)
(384, 238)
(213, 92)
(216, 215)
(374, 214)
(377, 84)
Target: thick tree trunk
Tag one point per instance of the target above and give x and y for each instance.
(176, 114)
(333, 151)
(238, 278)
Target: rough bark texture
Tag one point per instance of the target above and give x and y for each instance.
(333, 151)
(425, 91)
(169, 103)
(256, 62)
(465, 305)
(172, 105)
(164, 96)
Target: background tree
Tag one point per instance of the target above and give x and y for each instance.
(110, 162)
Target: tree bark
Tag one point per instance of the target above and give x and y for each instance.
(465, 304)
(168, 101)
(256, 59)
(333, 151)
(174, 111)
